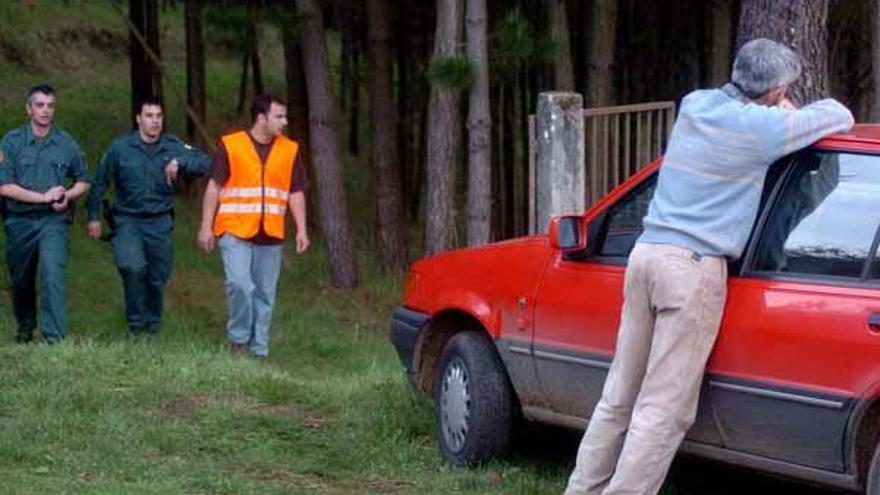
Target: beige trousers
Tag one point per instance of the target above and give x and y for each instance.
(673, 302)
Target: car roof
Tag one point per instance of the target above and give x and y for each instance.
(862, 137)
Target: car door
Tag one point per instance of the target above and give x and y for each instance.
(577, 313)
(799, 342)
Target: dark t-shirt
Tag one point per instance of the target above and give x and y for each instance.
(220, 174)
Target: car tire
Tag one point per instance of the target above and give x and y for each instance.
(473, 401)
(873, 482)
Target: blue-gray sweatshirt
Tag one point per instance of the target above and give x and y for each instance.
(713, 172)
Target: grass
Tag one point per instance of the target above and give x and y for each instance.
(329, 412)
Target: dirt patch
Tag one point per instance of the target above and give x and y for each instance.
(184, 406)
(387, 486)
(310, 482)
(310, 420)
(277, 410)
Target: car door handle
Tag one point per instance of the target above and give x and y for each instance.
(874, 322)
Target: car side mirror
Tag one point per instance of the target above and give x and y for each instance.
(568, 233)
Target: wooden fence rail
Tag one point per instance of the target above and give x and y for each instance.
(619, 141)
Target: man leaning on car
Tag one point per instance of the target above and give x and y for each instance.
(705, 204)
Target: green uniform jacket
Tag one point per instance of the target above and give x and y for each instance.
(39, 164)
(138, 174)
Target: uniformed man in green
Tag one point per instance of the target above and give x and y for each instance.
(143, 167)
(41, 171)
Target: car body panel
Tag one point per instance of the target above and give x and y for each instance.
(794, 365)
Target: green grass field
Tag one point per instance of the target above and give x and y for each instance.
(329, 412)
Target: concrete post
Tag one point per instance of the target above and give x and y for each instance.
(560, 175)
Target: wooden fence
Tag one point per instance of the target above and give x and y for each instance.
(619, 141)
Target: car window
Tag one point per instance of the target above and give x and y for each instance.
(825, 219)
(624, 224)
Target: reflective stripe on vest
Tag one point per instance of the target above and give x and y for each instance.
(255, 194)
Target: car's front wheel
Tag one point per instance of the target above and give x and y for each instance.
(873, 482)
(473, 400)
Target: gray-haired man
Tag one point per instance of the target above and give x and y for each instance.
(675, 285)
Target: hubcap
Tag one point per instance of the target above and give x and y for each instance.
(455, 403)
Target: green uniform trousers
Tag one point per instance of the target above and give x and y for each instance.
(38, 239)
(143, 248)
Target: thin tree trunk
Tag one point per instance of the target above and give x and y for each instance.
(141, 79)
(256, 65)
(509, 164)
(444, 122)
(332, 203)
(498, 159)
(603, 41)
(383, 139)
(799, 24)
(195, 69)
(720, 46)
(479, 192)
(242, 81)
(563, 68)
(354, 119)
(298, 106)
(875, 57)
(152, 36)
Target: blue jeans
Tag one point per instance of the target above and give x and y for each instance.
(251, 279)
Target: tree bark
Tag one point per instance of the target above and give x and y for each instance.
(603, 42)
(479, 192)
(444, 122)
(800, 25)
(256, 65)
(332, 203)
(720, 41)
(195, 69)
(383, 139)
(146, 79)
(298, 105)
(563, 68)
(242, 81)
(153, 42)
(875, 58)
(413, 33)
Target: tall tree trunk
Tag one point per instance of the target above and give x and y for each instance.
(720, 41)
(256, 65)
(509, 165)
(875, 57)
(354, 119)
(479, 192)
(799, 24)
(563, 68)
(146, 79)
(242, 81)
(332, 203)
(603, 41)
(412, 33)
(383, 139)
(298, 105)
(155, 45)
(444, 122)
(349, 80)
(195, 69)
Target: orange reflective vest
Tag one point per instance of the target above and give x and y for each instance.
(255, 192)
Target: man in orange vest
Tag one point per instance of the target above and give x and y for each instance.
(256, 176)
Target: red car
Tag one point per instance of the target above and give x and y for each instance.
(527, 327)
